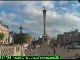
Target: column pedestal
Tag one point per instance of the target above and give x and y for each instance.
(44, 39)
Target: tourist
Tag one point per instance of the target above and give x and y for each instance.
(54, 50)
(26, 49)
(64, 47)
(73, 47)
(68, 49)
(77, 55)
(43, 50)
(48, 52)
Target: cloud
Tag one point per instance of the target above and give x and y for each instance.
(8, 16)
(63, 2)
(75, 4)
(65, 21)
(35, 32)
(56, 23)
(31, 16)
(47, 4)
(65, 9)
(15, 24)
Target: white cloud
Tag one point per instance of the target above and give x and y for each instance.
(56, 23)
(23, 31)
(64, 8)
(35, 32)
(48, 4)
(15, 24)
(75, 5)
(7, 16)
(32, 18)
(63, 2)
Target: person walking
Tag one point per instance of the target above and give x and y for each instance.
(54, 50)
(68, 49)
(73, 47)
(43, 50)
(48, 52)
(77, 55)
(64, 47)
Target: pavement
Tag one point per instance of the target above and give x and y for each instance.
(59, 51)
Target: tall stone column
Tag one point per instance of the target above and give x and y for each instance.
(45, 36)
(44, 18)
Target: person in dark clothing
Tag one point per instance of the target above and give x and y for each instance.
(68, 49)
(54, 51)
(48, 52)
(73, 47)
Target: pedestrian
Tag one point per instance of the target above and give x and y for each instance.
(68, 49)
(26, 49)
(48, 52)
(54, 51)
(64, 47)
(77, 55)
(73, 47)
(43, 50)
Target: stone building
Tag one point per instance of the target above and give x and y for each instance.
(69, 37)
(5, 30)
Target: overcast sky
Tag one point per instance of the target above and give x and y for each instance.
(62, 16)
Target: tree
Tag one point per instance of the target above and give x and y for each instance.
(1, 36)
(20, 39)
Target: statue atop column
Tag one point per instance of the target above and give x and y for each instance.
(21, 29)
(45, 36)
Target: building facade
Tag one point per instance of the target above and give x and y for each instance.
(5, 30)
(69, 37)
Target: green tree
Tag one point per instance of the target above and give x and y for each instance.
(22, 39)
(1, 36)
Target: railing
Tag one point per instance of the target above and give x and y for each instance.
(15, 50)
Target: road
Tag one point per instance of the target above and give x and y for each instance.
(59, 51)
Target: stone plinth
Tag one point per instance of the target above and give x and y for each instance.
(44, 38)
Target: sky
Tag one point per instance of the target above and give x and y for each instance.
(61, 16)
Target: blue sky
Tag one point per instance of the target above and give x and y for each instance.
(62, 16)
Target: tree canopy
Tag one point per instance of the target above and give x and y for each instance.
(20, 39)
(1, 36)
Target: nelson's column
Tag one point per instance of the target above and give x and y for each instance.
(45, 36)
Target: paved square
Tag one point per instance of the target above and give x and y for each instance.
(59, 51)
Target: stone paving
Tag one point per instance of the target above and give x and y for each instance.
(59, 51)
